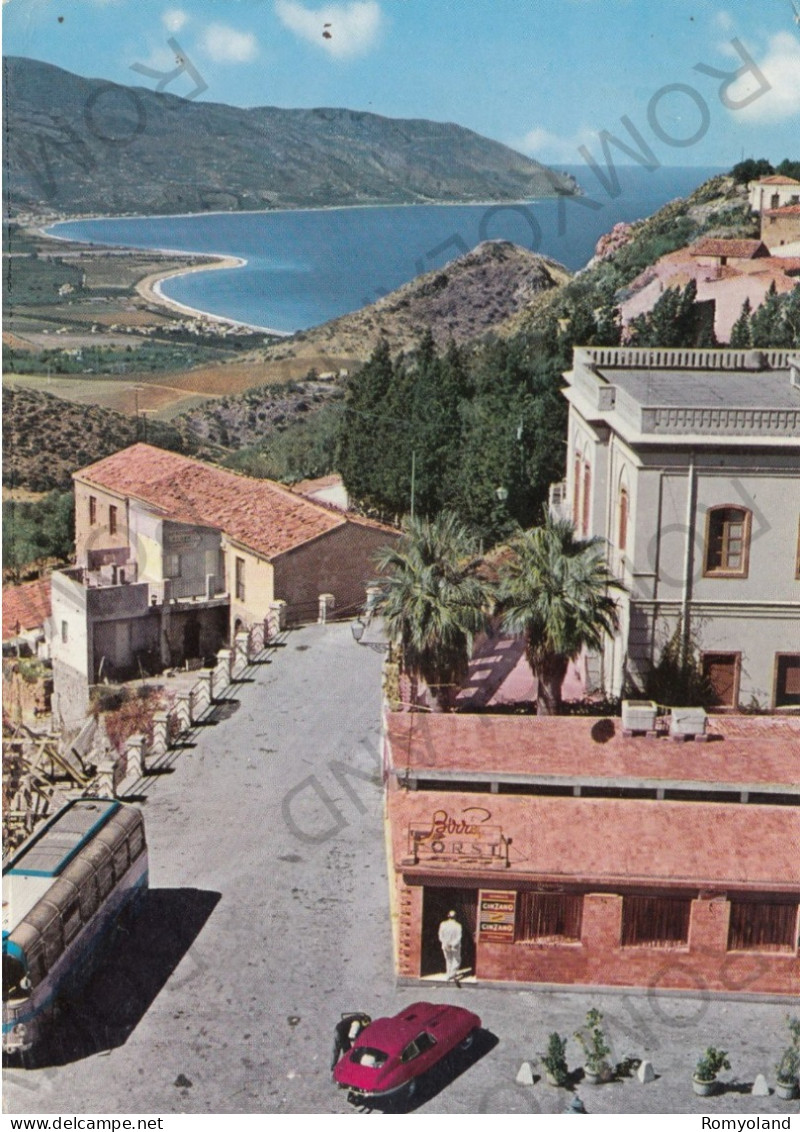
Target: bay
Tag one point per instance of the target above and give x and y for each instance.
(304, 267)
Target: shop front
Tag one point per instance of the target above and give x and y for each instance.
(561, 891)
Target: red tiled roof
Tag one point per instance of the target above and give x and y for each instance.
(738, 249)
(262, 515)
(784, 210)
(25, 607)
(586, 747)
(615, 841)
(777, 179)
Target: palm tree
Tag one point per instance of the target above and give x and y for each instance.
(433, 602)
(555, 589)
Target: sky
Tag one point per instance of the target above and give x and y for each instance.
(551, 78)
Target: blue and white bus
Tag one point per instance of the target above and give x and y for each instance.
(63, 891)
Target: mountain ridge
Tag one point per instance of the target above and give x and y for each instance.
(119, 149)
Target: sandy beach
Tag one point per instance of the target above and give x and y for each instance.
(150, 290)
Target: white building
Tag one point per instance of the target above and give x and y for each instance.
(774, 191)
(687, 462)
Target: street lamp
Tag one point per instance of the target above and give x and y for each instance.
(357, 629)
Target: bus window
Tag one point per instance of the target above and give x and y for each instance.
(136, 841)
(53, 942)
(71, 922)
(89, 898)
(121, 860)
(105, 877)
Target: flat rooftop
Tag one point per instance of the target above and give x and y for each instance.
(530, 754)
(711, 389)
(691, 396)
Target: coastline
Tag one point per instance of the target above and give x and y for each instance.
(150, 289)
(80, 219)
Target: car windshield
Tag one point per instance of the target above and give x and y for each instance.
(369, 1058)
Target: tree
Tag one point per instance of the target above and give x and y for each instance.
(677, 319)
(740, 333)
(433, 602)
(766, 324)
(556, 591)
(750, 170)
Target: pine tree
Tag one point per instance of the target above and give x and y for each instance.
(740, 333)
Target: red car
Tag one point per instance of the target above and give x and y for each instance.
(390, 1053)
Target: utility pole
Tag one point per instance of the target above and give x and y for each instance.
(413, 477)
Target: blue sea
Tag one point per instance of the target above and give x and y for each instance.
(307, 266)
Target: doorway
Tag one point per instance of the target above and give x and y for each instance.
(436, 903)
(191, 638)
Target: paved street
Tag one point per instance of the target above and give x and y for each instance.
(268, 916)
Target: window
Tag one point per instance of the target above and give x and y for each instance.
(762, 927)
(655, 921)
(727, 542)
(721, 670)
(71, 923)
(549, 915)
(576, 492)
(240, 579)
(64, 632)
(136, 842)
(587, 492)
(120, 860)
(112, 520)
(88, 898)
(787, 680)
(105, 877)
(92, 510)
(420, 1045)
(172, 565)
(622, 540)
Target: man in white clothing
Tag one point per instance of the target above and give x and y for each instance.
(450, 932)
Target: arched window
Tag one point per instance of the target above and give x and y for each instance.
(727, 542)
(622, 535)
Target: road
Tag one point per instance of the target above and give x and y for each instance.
(268, 916)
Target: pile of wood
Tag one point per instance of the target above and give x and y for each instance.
(40, 771)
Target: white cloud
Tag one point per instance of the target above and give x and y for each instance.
(225, 44)
(353, 29)
(781, 68)
(174, 19)
(724, 20)
(546, 146)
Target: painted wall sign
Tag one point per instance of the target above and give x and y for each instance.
(176, 541)
(497, 915)
(465, 838)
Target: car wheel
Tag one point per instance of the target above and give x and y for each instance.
(468, 1040)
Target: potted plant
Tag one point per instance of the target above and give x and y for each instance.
(596, 1049)
(788, 1068)
(555, 1062)
(708, 1066)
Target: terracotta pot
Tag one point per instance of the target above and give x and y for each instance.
(786, 1090)
(591, 1077)
(704, 1088)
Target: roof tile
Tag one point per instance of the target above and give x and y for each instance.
(260, 514)
(25, 607)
